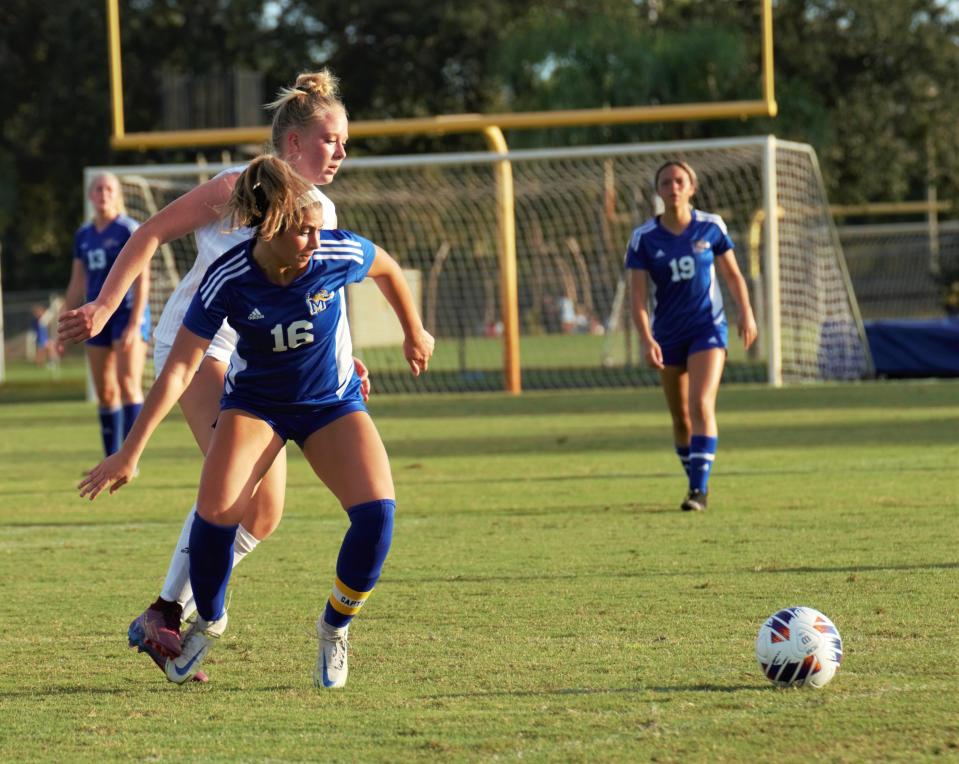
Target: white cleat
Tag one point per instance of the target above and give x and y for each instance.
(331, 661)
(198, 639)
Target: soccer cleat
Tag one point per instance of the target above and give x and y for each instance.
(331, 661)
(136, 639)
(695, 501)
(159, 625)
(197, 641)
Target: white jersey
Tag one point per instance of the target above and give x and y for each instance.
(212, 241)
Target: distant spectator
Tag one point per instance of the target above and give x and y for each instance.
(45, 352)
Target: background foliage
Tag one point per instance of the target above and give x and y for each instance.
(872, 86)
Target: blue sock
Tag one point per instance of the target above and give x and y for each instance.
(130, 413)
(702, 452)
(683, 453)
(111, 424)
(364, 549)
(211, 560)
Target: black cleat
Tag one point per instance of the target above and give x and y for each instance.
(695, 501)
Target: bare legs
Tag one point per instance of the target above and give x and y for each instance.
(691, 397)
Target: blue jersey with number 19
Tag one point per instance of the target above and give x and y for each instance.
(686, 296)
(294, 350)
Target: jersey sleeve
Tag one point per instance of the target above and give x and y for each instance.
(347, 251)
(207, 309)
(77, 254)
(128, 226)
(636, 256)
(724, 242)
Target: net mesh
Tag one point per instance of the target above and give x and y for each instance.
(902, 270)
(574, 212)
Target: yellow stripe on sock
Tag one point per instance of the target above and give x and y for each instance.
(351, 593)
(345, 600)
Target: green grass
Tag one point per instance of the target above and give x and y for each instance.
(545, 600)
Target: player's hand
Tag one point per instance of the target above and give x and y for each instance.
(364, 374)
(747, 329)
(114, 472)
(418, 349)
(654, 354)
(83, 323)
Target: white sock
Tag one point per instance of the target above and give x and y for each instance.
(176, 587)
(245, 543)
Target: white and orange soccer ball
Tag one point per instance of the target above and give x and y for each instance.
(797, 647)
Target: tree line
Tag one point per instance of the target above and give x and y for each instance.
(872, 86)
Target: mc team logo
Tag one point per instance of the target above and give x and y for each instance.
(317, 302)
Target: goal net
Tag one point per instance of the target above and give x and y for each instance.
(574, 212)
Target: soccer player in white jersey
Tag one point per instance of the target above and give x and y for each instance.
(678, 253)
(117, 352)
(310, 130)
(292, 377)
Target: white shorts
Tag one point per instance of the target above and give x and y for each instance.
(221, 348)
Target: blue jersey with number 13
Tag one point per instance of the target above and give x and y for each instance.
(294, 350)
(685, 293)
(98, 250)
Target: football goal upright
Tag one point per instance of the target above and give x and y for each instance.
(574, 211)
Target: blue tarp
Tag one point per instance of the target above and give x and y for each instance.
(915, 347)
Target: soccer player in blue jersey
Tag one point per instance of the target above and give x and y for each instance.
(310, 130)
(678, 253)
(116, 354)
(292, 377)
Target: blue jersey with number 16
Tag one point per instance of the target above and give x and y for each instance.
(685, 293)
(294, 350)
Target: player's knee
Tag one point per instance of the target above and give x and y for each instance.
(131, 391)
(701, 412)
(220, 513)
(108, 396)
(262, 524)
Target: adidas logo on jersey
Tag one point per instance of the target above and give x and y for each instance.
(255, 315)
(659, 254)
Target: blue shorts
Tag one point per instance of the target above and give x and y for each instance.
(115, 326)
(302, 424)
(711, 338)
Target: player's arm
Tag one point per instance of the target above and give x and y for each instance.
(418, 343)
(640, 310)
(193, 210)
(746, 323)
(74, 294)
(141, 293)
(76, 286)
(117, 470)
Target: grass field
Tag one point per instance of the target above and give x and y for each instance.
(545, 600)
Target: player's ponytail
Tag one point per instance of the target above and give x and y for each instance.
(269, 196)
(312, 96)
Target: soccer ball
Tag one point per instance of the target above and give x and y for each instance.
(799, 646)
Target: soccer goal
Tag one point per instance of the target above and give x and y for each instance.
(574, 211)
